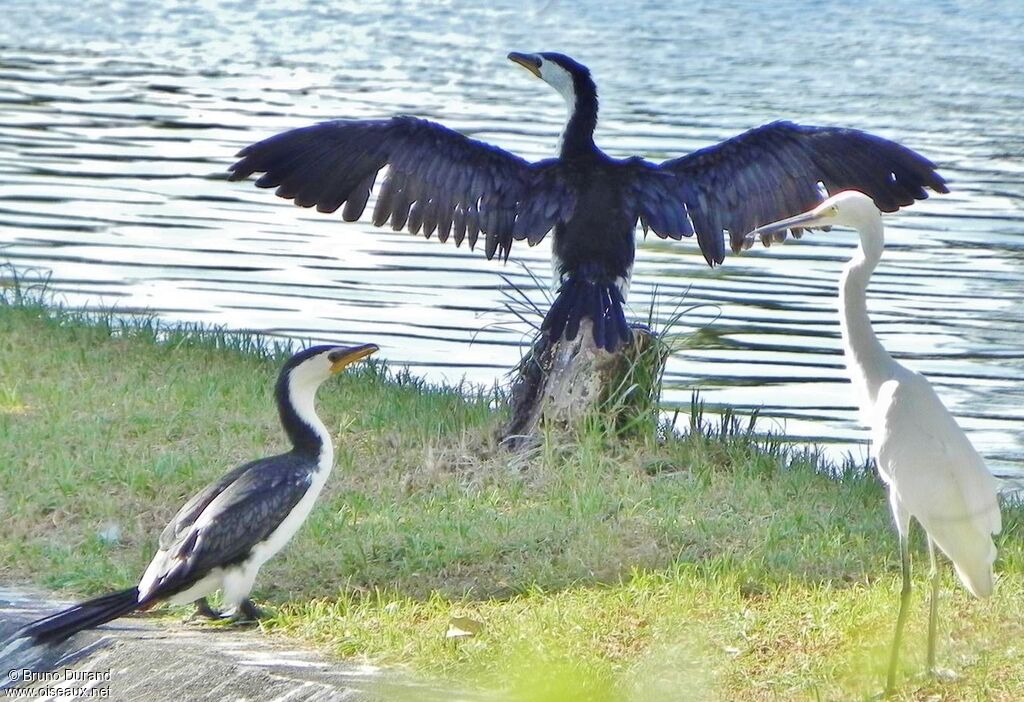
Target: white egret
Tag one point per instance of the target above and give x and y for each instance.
(933, 472)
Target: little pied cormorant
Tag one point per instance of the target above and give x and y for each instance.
(441, 181)
(222, 536)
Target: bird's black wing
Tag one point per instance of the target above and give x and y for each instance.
(770, 173)
(438, 180)
(244, 512)
(188, 513)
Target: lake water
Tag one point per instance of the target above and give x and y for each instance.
(118, 120)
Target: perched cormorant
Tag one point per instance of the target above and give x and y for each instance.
(441, 181)
(226, 532)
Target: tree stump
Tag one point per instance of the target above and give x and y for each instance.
(562, 384)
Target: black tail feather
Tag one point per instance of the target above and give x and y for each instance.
(619, 316)
(85, 615)
(599, 304)
(577, 310)
(582, 296)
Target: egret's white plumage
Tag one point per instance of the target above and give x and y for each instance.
(933, 472)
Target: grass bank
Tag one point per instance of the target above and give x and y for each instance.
(707, 566)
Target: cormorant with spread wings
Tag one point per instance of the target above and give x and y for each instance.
(441, 182)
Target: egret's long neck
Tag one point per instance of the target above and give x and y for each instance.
(868, 362)
(578, 135)
(295, 402)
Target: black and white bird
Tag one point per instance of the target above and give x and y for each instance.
(441, 181)
(222, 536)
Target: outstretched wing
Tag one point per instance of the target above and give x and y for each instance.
(438, 180)
(222, 524)
(770, 173)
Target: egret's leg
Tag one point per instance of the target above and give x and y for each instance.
(933, 614)
(890, 681)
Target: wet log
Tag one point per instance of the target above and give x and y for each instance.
(565, 383)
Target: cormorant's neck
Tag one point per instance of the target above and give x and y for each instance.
(578, 137)
(295, 404)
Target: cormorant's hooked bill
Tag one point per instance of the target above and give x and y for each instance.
(440, 181)
(530, 62)
(342, 358)
(224, 534)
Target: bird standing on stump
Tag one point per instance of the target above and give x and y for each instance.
(225, 533)
(441, 181)
(933, 472)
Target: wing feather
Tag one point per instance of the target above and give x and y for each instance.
(222, 523)
(437, 180)
(770, 173)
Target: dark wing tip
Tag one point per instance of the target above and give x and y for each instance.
(244, 166)
(437, 179)
(240, 170)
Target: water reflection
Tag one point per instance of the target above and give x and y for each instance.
(117, 122)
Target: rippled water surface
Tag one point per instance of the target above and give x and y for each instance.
(118, 120)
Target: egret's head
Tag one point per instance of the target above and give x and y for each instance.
(568, 76)
(849, 208)
(310, 367)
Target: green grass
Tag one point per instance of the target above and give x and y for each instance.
(715, 565)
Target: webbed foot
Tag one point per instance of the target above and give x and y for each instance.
(203, 609)
(246, 613)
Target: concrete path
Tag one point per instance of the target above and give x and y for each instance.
(138, 660)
